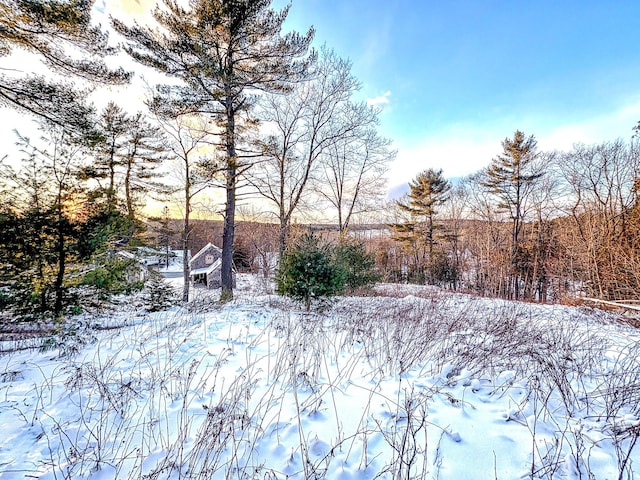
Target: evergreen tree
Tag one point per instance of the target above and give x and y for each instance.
(55, 30)
(164, 233)
(307, 271)
(112, 128)
(143, 153)
(313, 270)
(41, 212)
(357, 264)
(222, 50)
(158, 295)
(510, 177)
(128, 150)
(427, 191)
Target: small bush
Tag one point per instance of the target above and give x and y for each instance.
(357, 264)
(115, 276)
(69, 338)
(28, 298)
(312, 270)
(443, 271)
(308, 271)
(158, 295)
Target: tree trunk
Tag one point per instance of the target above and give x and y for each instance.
(185, 255)
(58, 287)
(282, 240)
(228, 234)
(226, 272)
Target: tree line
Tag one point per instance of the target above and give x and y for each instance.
(532, 225)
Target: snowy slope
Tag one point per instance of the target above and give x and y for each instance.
(427, 385)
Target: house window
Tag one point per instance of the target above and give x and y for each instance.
(208, 259)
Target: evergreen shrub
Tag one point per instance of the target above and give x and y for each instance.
(308, 271)
(312, 270)
(358, 265)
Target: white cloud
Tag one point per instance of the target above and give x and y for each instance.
(605, 127)
(462, 149)
(456, 156)
(380, 100)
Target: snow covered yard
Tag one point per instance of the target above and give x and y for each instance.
(429, 385)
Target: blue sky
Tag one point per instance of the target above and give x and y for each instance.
(457, 77)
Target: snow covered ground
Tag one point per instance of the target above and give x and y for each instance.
(413, 383)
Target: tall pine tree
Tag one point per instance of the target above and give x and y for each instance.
(427, 191)
(128, 151)
(510, 177)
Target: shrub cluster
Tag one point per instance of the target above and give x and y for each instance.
(315, 270)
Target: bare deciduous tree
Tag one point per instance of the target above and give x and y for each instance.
(602, 180)
(317, 116)
(195, 173)
(352, 173)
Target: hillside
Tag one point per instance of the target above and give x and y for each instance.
(412, 383)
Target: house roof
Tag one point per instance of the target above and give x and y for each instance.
(127, 255)
(205, 249)
(206, 270)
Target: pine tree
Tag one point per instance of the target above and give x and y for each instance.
(511, 176)
(158, 294)
(165, 232)
(55, 31)
(307, 271)
(427, 192)
(142, 155)
(128, 151)
(112, 128)
(357, 264)
(42, 212)
(222, 51)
